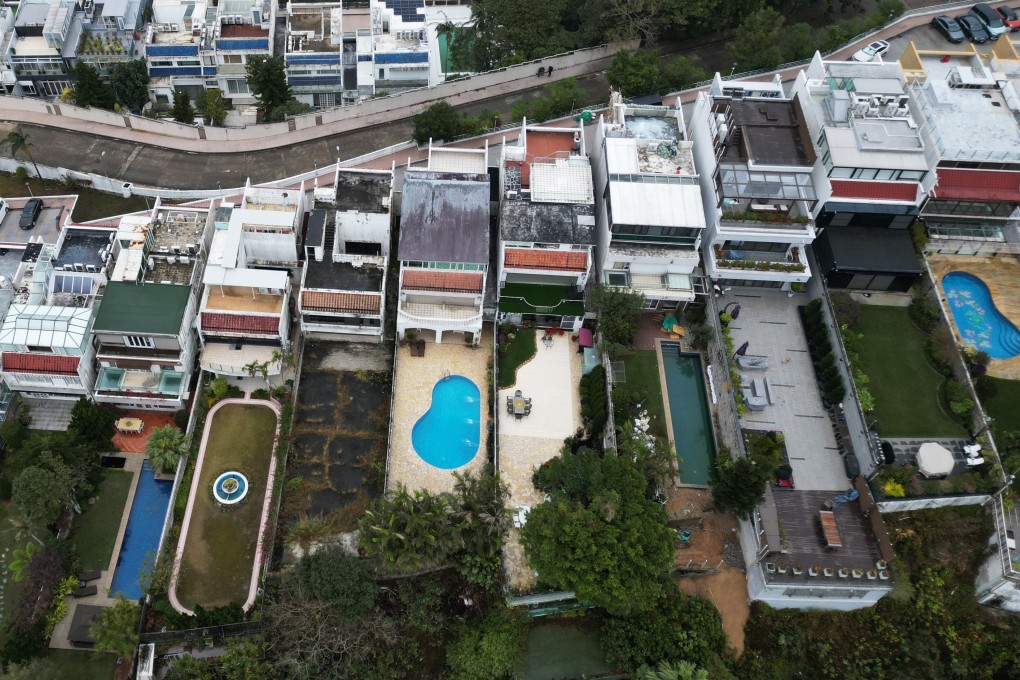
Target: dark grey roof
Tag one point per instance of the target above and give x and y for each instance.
(316, 227)
(329, 275)
(363, 191)
(522, 220)
(444, 218)
(867, 249)
(82, 247)
(773, 133)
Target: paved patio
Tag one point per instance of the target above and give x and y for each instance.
(769, 322)
(413, 381)
(50, 414)
(550, 379)
(134, 442)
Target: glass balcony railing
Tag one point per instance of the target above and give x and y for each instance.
(120, 381)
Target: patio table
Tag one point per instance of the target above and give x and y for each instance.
(133, 425)
(520, 406)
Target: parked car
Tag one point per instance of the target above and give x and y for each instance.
(973, 28)
(949, 29)
(1010, 18)
(30, 213)
(869, 52)
(991, 19)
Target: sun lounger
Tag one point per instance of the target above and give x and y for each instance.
(758, 394)
(90, 575)
(85, 591)
(752, 362)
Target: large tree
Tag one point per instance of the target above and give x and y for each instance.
(34, 669)
(267, 80)
(130, 82)
(18, 141)
(438, 122)
(92, 424)
(116, 629)
(605, 540)
(89, 88)
(489, 649)
(635, 73)
(511, 31)
(39, 494)
(333, 575)
(619, 313)
(757, 41)
(183, 111)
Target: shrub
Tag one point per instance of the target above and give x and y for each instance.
(699, 336)
(21, 173)
(985, 387)
(848, 310)
(181, 418)
(813, 307)
(924, 312)
(893, 489)
(959, 399)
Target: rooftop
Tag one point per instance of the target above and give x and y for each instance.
(445, 218)
(329, 275)
(363, 190)
(460, 161)
(85, 247)
(243, 31)
(312, 28)
(45, 326)
(656, 201)
(523, 221)
(628, 155)
(243, 299)
(772, 132)
(142, 309)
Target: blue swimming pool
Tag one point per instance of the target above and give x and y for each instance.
(979, 321)
(689, 414)
(145, 524)
(447, 435)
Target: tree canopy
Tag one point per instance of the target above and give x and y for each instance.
(39, 494)
(92, 424)
(267, 80)
(489, 649)
(130, 82)
(619, 313)
(183, 111)
(333, 575)
(116, 629)
(89, 89)
(756, 42)
(165, 447)
(438, 122)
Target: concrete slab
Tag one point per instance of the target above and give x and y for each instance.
(49, 414)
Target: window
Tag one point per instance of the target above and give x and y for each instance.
(233, 58)
(237, 86)
(138, 341)
(39, 348)
(615, 278)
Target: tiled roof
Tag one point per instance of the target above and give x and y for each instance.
(537, 258)
(978, 185)
(454, 282)
(241, 323)
(876, 191)
(50, 364)
(354, 303)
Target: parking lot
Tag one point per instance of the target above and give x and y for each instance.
(55, 211)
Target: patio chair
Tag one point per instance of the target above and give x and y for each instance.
(527, 401)
(518, 393)
(972, 450)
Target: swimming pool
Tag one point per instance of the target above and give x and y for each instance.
(689, 414)
(978, 320)
(447, 435)
(145, 524)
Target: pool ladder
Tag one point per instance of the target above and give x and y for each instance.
(446, 374)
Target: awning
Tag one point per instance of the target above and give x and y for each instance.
(867, 249)
(584, 338)
(977, 185)
(876, 191)
(934, 460)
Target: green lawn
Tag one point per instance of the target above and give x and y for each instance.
(83, 665)
(220, 546)
(96, 530)
(905, 387)
(91, 205)
(1004, 407)
(643, 385)
(531, 298)
(519, 350)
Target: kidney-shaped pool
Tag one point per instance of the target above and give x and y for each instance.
(978, 320)
(447, 435)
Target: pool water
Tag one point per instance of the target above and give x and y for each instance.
(978, 320)
(145, 524)
(689, 414)
(447, 435)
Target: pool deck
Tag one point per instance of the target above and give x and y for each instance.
(413, 381)
(1002, 276)
(132, 464)
(551, 380)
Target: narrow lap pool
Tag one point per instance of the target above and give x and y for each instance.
(447, 435)
(978, 320)
(145, 524)
(689, 414)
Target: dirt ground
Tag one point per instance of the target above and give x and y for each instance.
(713, 547)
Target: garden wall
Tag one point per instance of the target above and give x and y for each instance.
(929, 502)
(725, 415)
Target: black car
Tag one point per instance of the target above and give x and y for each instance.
(990, 18)
(30, 213)
(973, 28)
(949, 29)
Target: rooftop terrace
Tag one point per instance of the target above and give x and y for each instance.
(242, 299)
(367, 192)
(85, 247)
(329, 275)
(766, 132)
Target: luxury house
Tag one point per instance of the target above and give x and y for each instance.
(546, 227)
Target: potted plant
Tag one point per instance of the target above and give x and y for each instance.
(827, 571)
(814, 570)
(881, 565)
(844, 572)
(797, 570)
(858, 573)
(872, 574)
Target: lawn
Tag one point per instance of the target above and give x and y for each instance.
(518, 350)
(1003, 406)
(83, 665)
(643, 385)
(219, 548)
(530, 298)
(904, 386)
(91, 205)
(96, 529)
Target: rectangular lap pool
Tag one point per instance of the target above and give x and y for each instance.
(145, 524)
(689, 413)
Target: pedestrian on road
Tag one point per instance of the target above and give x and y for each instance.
(550, 71)
(541, 71)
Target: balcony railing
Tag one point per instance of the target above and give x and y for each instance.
(754, 219)
(124, 382)
(759, 260)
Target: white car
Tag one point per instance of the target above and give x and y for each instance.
(869, 52)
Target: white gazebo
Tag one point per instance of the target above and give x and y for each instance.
(935, 460)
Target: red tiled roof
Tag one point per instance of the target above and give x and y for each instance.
(454, 282)
(241, 323)
(538, 258)
(243, 31)
(354, 303)
(50, 364)
(876, 191)
(977, 185)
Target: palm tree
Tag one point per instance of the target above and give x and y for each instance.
(22, 557)
(447, 30)
(18, 141)
(307, 530)
(669, 670)
(165, 447)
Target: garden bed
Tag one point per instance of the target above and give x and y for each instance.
(515, 350)
(643, 386)
(219, 547)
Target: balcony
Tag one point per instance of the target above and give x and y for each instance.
(755, 217)
(736, 263)
(123, 382)
(124, 352)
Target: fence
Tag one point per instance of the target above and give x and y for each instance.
(226, 630)
(727, 420)
(927, 503)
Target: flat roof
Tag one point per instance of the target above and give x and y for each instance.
(316, 227)
(364, 191)
(631, 155)
(83, 246)
(654, 204)
(139, 309)
(866, 249)
(329, 275)
(773, 133)
(460, 161)
(524, 221)
(444, 218)
(562, 180)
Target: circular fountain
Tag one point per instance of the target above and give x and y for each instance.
(230, 488)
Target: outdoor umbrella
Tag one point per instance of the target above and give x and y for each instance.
(735, 313)
(743, 349)
(934, 460)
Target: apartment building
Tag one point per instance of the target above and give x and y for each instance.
(400, 47)
(880, 167)
(998, 580)
(546, 228)
(758, 182)
(444, 246)
(649, 213)
(968, 104)
(347, 248)
(144, 331)
(46, 348)
(270, 226)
